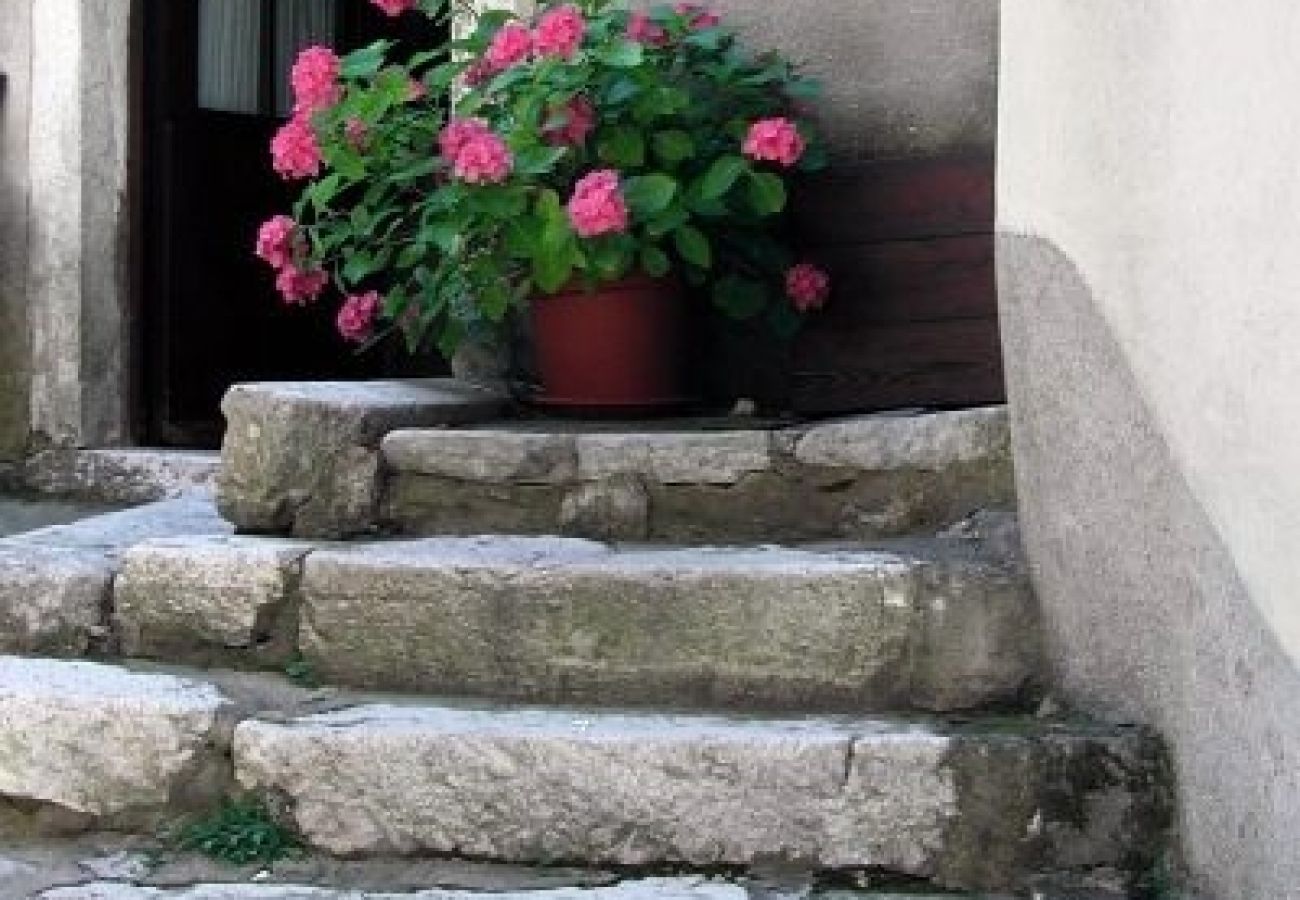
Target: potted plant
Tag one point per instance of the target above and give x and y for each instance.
(594, 164)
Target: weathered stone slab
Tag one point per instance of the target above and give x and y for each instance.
(113, 533)
(567, 620)
(52, 601)
(705, 457)
(102, 744)
(493, 456)
(182, 596)
(302, 458)
(860, 479)
(968, 808)
(928, 442)
(122, 474)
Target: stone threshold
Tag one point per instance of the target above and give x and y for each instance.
(116, 475)
(981, 804)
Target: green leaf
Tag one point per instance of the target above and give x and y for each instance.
(552, 271)
(444, 235)
(621, 90)
(364, 63)
(767, 193)
(623, 55)
(649, 195)
(740, 298)
(674, 146)
(623, 147)
(693, 246)
(358, 265)
(537, 160)
(655, 262)
(722, 175)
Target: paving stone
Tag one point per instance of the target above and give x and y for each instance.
(52, 600)
(122, 474)
(489, 455)
(222, 592)
(972, 808)
(706, 457)
(101, 743)
(566, 620)
(686, 888)
(926, 442)
(113, 533)
(302, 458)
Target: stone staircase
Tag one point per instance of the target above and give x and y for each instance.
(714, 646)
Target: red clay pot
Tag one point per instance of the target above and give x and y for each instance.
(618, 347)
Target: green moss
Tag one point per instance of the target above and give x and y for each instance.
(239, 832)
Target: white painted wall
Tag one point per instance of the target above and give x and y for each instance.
(1149, 220)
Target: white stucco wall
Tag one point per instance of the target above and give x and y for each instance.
(1149, 207)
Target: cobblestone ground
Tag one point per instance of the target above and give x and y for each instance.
(112, 867)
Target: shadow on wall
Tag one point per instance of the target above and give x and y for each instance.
(14, 349)
(1147, 616)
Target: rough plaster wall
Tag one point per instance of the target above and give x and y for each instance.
(1149, 209)
(15, 62)
(904, 78)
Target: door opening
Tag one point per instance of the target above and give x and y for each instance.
(215, 91)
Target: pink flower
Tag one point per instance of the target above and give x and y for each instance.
(416, 90)
(775, 140)
(356, 320)
(597, 206)
(641, 29)
(315, 80)
(457, 133)
(357, 134)
(294, 151)
(578, 121)
(511, 45)
(299, 287)
(697, 16)
(276, 241)
(807, 286)
(478, 73)
(482, 159)
(560, 32)
(394, 7)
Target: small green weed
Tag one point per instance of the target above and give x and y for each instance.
(239, 832)
(300, 672)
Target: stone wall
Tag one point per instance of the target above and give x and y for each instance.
(15, 62)
(1147, 217)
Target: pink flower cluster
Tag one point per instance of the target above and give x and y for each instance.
(315, 80)
(559, 33)
(597, 206)
(295, 150)
(642, 29)
(807, 286)
(394, 7)
(278, 243)
(476, 154)
(356, 319)
(571, 124)
(775, 140)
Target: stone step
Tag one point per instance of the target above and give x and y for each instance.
(976, 806)
(339, 459)
(981, 804)
(936, 627)
(857, 479)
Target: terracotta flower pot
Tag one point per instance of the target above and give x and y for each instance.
(618, 348)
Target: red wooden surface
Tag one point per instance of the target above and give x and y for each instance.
(913, 321)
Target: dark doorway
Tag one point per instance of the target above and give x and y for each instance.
(215, 91)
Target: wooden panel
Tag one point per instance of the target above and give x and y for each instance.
(913, 321)
(896, 200)
(955, 363)
(908, 281)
